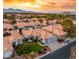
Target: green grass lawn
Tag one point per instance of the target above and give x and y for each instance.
(27, 48)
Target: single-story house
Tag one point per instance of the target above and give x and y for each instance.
(36, 23)
(24, 24)
(44, 22)
(52, 21)
(8, 27)
(9, 42)
(18, 20)
(15, 38)
(7, 21)
(56, 29)
(7, 49)
(46, 37)
(41, 34)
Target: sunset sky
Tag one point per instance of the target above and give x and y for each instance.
(41, 5)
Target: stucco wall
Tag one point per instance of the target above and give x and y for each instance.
(7, 54)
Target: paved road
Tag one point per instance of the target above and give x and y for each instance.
(63, 53)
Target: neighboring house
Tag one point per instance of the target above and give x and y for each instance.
(42, 35)
(18, 20)
(56, 29)
(8, 27)
(46, 37)
(24, 24)
(44, 22)
(36, 23)
(52, 21)
(25, 20)
(17, 38)
(7, 21)
(14, 39)
(11, 41)
(7, 49)
(32, 19)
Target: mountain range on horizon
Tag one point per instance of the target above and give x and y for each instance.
(29, 11)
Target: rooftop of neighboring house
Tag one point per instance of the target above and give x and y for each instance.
(23, 24)
(7, 46)
(53, 21)
(7, 26)
(55, 29)
(37, 22)
(33, 19)
(7, 21)
(14, 36)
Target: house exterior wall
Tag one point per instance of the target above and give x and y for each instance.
(7, 54)
(50, 40)
(17, 42)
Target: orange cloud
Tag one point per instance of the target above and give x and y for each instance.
(41, 4)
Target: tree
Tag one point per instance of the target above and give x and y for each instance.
(13, 21)
(41, 21)
(69, 27)
(4, 16)
(51, 16)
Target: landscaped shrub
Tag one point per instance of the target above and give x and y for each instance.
(27, 48)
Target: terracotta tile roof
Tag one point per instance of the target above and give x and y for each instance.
(6, 46)
(33, 19)
(45, 34)
(37, 32)
(58, 32)
(54, 21)
(7, 26)
(23, 24)
(37, 22)
(7, 21)
(14, 36)
(26, 32)
(55, 29)
(18, 19)
(44, 22)
(8, 39)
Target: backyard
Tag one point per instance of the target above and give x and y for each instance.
(27, 48)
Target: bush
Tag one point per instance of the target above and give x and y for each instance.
(27, 48)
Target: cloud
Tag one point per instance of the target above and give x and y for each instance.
(42, 4)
